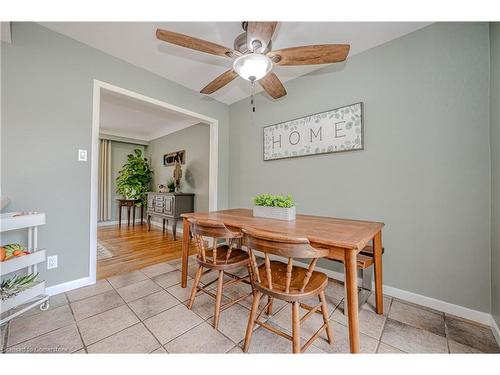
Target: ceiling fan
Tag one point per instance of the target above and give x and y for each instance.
(254, 58)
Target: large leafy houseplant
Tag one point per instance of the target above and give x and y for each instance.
(135, 176)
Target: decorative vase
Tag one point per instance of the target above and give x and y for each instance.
(279, 213)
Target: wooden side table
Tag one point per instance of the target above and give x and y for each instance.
(129, 203)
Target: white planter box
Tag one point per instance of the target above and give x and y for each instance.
(278, 213)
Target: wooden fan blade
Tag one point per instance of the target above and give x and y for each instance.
(310, 55)
(219, 82)
(273, 86)
(261, 31)
(194, 43)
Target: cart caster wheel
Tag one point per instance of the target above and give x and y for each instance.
(45, 306)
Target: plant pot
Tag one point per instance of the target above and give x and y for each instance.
(278, 213)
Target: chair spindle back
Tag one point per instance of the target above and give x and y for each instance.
(205, 231)
(285, 246)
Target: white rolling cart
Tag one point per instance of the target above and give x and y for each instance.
(35, 295)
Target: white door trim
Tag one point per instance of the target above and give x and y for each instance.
(94, 167)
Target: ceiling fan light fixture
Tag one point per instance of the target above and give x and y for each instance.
(252, 66)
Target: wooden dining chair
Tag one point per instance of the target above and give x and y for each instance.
(286, 281)
(221, 258)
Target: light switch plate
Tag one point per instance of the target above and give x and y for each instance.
(82, 155)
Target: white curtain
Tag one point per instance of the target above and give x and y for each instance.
(104, 210)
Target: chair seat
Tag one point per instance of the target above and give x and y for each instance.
(362, 261)
(316, 284)
(364, 258)
(237, 258)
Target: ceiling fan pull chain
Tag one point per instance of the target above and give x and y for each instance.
(251, 100)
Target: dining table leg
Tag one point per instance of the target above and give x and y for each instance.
(377, 259)
(185, 251)
(351, 282)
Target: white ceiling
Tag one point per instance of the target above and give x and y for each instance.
(128, 117)
(135, 42)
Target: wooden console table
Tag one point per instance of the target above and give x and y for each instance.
(344, 238)
(129, 203)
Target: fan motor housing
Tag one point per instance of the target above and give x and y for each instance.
(240, 44)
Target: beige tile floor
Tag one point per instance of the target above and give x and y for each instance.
(144, 312)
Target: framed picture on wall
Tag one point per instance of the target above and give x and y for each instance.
(336, 130)
(169, 159)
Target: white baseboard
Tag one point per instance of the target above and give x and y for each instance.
(446, 307)
(153, 223)
(495, 329)
(69, 285)
(116, 222)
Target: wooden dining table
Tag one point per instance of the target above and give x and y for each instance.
(342, 237)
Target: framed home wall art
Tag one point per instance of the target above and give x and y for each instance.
(336, 130)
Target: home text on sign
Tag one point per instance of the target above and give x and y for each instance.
(336, 130)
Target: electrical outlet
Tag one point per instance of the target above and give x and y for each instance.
(52, 262)
(82, 155)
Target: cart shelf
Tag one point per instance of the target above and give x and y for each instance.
(17, 263)
(23, 297)
(20, 220)
(34, 295)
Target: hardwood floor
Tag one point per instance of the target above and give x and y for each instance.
(134, 248)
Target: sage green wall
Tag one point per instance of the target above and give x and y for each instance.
(495, 169)
(47, 83)
(196, 141)
(119, 153)
(425, 170)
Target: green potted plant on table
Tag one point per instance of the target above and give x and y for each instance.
(134, 178)
(274, 207)
(171, 185)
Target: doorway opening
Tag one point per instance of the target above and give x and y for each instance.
(123, 122)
